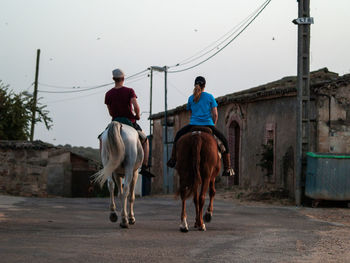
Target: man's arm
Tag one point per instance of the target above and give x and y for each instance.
(214, 114)
(136, 108)
(109, 110)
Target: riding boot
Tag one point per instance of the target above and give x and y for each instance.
(172, 161)
(145, 171)
(228, 171)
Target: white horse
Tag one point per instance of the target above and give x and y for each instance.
(122, 156)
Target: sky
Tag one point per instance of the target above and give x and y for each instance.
(82, 41)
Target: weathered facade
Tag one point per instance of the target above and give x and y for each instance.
(39, 169)
(260, 124)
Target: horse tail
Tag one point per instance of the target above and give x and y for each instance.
(189, 184)
(114, 150)
(196, 146)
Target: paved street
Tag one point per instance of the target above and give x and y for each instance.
(78, 230)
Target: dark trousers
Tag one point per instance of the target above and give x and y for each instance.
(215, 131)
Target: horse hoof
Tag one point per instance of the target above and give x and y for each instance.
(124, 224)
(184, 229)
(202, 228)
(207, 217)
(113, 217)
(132, 221)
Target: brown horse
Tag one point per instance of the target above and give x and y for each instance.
(198, 164)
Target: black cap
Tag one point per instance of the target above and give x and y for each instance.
(200, 81)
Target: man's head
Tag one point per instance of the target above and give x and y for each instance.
(118, 75)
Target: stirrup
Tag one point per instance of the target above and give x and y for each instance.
(171, 163)
(228, 172)
(146, 173)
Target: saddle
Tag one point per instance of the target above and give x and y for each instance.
(199, 129)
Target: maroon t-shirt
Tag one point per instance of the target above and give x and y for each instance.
(119, 101)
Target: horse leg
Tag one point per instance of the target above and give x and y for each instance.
(113, 215)
(196, 205)
(124, 199)
(183, 225)
(204, 188)
(132, 198)
(208, 215)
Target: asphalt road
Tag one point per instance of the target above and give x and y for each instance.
(79, 230)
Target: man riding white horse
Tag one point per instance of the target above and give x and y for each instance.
(123, 107)
(121, 151)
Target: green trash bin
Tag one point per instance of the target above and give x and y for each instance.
(328, 176)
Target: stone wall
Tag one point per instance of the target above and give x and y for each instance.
(23, 172)
(333, 120)
(39, 169)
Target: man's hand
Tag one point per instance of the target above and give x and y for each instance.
(136, 108)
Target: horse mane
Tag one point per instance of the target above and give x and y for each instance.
(114, 150)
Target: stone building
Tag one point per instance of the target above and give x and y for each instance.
(39, 169)
(260, 124)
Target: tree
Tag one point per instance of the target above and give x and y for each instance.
(16, 114)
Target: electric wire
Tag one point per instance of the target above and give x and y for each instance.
(235, 37)
(80, 89)
(227, 36)
(137, 76)
(75, 98)
(98, 92)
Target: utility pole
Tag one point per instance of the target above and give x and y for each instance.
(150, 99)
(165, 142)
(35, 94)
(166, 109)
(303, 95)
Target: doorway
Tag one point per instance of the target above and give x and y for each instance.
(234, 144)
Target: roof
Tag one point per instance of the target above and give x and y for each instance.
(283, 87)
(36, 145)
(40, 145)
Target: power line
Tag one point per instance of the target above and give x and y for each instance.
(240, 32)
(74, 98)
(171, 84)
(137, 76)
(136, 79)
(80, 89)
(79, 97)
(77, 90)
(227, 36)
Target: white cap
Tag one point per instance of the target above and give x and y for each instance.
(117, 73)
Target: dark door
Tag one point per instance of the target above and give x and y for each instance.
(234, 144)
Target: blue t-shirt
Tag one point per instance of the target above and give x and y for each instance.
(201, 110)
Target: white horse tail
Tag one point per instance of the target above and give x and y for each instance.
(114, 147)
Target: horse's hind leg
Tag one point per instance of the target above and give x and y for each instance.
(124, 198)
(204, 188)
(208, 215)
(183, 225)
(113, 215)
(132, 198)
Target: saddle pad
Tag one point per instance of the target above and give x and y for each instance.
(202, 129)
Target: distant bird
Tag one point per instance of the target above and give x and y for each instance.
(273, 38)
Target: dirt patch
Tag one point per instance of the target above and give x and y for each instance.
(333, 244)
(256, 198)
